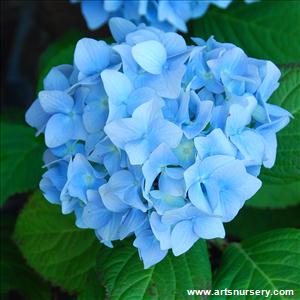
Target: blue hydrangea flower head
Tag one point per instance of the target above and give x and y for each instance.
(168, 15)
(152, 138)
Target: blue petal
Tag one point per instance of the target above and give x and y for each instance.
(55, 102)
(159, 158)
(123, 131)
(214, 143)
(162, 202)
(95, 215)
(140, 36)
(133, 220)
(91, 56)
(140, 96)
(111, 201)
(138, 151)
(130, 67)
(174, 44)
(251, 145)
(94, 13)
(236, 186)
(166, 132)
(117, 86)
(183, 237)
(112, 6)
(110, 231)
(56, 80)
(94, 116)
(231, 62)
(270, 82)
(149, 248)
(198, 198)
(209, 227)
(185, 152)
(119, 28)
(166, 12)
(161, 231)
(36, 117)
(167, 84)
(150, 55)
(59, 130)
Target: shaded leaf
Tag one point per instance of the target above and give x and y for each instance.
(268, 261)
(15, 274)
(54, 246)
(21, 160)
(266, 29)
(125, 277)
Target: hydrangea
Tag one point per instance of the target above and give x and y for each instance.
(152, 138)
(169, 15)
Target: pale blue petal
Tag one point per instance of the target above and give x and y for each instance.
(161, 231)
(198, 198)
(110, 231)
(91, 56)
(183, 237)
(95, 215)
(36, 117)
(134, 198)
(167, 84)
(123, 131)
(140, 36)
(159, 158)
(59, 130)
(112, 5)
(119, 28)
(94, 116)
(149, 248)
(56, 102)
(138, 151)
(117, 86)
(251, 145)
(174, 44)
(140, 96)
(185, 152)
(94, 13)
(133, 220)
(130, 67)
(270, 82)
(167, 13)
(166, 132)
(150, 55)
(209, 227)
(56, 80)
(163, 203)
(236, 186)
(270, 141)
(214, 143)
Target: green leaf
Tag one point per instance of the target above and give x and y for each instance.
(54, 246)
(270, 261)
(60, 52)
(125, 277)
(276, 196)
(15, 274)
(266, 29)
(93, 289)
(265, 219)
(21, 160)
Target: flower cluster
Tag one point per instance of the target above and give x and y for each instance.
(169, 15)
(151, 138)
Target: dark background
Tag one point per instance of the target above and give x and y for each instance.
(27, 29)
